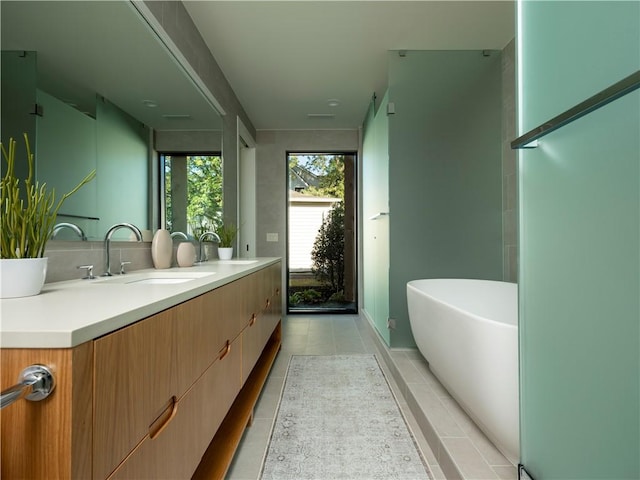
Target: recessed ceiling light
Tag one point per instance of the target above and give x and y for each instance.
(320, 115)
(149, 103)
(333, 102)
(176, 116)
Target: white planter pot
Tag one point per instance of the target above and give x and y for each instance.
(22, 277)
(225, 253)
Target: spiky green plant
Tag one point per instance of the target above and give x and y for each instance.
(227, 233)
(27, 220)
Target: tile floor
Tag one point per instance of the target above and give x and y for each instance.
(461, 449)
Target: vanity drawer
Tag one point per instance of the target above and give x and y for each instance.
(252, 345)
(230, 306)
(175, 451)
(132, 384)
(198, 338)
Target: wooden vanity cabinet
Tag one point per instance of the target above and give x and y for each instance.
(161, 380)
(152, 395)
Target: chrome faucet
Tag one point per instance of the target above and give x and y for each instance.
(201, 239)
(179, 234)
(70, 226)
(107, 243)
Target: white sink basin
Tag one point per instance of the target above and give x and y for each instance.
(238, 262)
(155, 278)
(160, 281)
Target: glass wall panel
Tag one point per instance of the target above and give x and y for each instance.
(579, 244)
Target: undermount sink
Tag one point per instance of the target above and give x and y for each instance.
(155, 278)
(238, 262)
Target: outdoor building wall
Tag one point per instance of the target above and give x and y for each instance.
(305, 220)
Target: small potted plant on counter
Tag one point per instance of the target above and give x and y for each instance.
(27, 220)
(227, 233)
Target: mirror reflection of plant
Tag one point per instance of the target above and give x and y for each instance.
(227, 233)
(28, 217)
(204, 192)
(199, 226)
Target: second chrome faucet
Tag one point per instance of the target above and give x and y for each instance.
(203, 256)
(107, 243)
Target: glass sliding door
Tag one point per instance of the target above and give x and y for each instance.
(321, 246)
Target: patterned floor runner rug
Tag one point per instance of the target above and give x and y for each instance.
(338, 419)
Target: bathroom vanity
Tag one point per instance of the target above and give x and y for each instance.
(157, 372)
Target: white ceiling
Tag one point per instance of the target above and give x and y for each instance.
(286, 59)
(86, 48)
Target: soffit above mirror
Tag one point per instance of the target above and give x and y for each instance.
(106, 48)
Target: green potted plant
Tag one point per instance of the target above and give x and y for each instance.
(27, 219)
(227, 233)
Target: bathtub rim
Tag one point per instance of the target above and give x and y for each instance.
(411, 284)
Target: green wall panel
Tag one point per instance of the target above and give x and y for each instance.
(445, 171)
(18, 94)
(123, 169)
(66, 142)
(580, 244)
(375, 199)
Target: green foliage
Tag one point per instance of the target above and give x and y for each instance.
(227, 233)
(204, 192)
(328, 249)
(306, 296)
(28, 217)
(337, 297)
(329, 171)
(204, 178)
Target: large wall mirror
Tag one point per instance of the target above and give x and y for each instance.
(93, 86)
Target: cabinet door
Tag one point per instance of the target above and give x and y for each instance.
(132, 387)
(175, 451)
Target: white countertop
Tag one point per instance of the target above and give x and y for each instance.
(66, 314)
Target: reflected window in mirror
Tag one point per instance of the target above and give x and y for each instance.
(191, 192)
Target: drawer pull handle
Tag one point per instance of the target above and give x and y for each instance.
(155, 430)
(268, 303)
(253, 319)
(226, 350)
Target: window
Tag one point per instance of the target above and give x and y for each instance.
(191, 192)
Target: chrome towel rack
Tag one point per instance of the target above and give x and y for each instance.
(35, 382)
(600, 99)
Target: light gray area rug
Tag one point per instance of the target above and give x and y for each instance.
(338, 419)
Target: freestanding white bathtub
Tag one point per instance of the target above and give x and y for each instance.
(468, 332)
